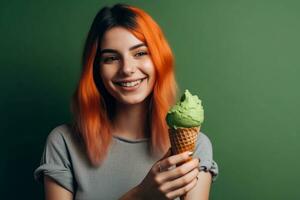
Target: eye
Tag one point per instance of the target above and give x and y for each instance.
(141, 53)
(109, 59)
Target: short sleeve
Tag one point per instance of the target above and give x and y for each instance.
(205, 152)
(55, 161)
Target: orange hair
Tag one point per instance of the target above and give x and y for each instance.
(91, 103)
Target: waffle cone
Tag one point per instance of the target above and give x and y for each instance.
(183, 139)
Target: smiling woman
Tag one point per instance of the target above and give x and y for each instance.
(118, 145)
(126, 68)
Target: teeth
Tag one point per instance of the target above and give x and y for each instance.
(130, 84)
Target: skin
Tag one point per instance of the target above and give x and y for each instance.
(129, 59)
(126, 57)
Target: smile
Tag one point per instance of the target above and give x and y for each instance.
(130, 84)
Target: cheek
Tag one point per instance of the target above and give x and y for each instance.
(149, 69)
(106, 73)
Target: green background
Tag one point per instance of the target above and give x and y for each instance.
(240, 57)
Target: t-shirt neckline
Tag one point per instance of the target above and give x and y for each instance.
(130, 140)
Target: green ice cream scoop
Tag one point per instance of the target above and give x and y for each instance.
(186, 113)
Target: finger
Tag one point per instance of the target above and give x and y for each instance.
(180, 182)
(179, 171)
(175, 159)
(157, 166)
(183, 190)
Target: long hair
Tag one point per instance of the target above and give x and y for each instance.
(93, 106)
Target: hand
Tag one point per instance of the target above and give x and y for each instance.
(163, 183)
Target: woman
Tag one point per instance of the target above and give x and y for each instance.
(118, 146)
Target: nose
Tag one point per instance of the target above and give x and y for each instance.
(128, 66)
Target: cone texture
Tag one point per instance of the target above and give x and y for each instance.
(183, 139)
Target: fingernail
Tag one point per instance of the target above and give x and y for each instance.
(190, 153)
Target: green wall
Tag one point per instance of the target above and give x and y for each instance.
(240, 57)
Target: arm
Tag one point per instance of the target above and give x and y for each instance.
(204, 151)
(202, 188)
(133, 194)
(162, 183)
(53, 191)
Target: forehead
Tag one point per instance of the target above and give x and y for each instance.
(119, 38)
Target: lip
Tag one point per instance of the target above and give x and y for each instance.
(132, 88)
(129, 80)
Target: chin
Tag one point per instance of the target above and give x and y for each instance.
(132, 100)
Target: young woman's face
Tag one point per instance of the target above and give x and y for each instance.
(126, 67)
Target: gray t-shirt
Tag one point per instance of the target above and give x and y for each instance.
(126, 165)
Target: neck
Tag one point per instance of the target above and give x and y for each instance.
(130, 121)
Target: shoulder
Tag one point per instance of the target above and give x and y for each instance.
(62, 130)
(56, 160)
(203, 140)
(60, 134)
(63, 138)
(204, 148)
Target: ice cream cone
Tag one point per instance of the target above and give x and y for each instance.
(183, 139)
(184, 120)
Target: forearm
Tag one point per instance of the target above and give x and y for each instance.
(133, 194)
(202, 189)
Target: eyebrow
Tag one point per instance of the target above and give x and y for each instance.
(115, 51)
